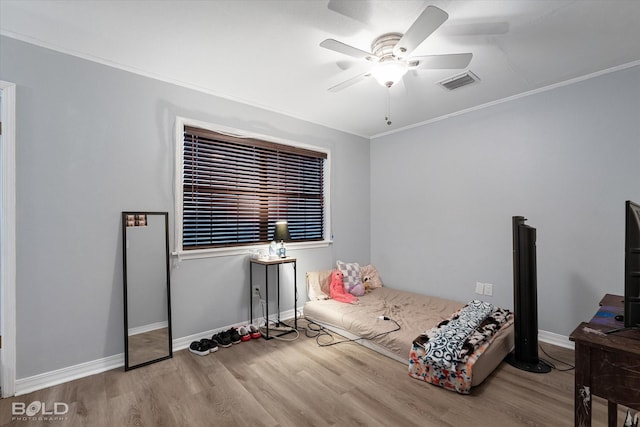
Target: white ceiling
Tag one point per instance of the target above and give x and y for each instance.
(266, 52)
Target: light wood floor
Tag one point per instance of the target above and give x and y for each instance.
(275, 383)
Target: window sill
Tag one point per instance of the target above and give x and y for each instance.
(243, 250)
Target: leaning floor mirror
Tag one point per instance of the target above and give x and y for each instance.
(147, 296)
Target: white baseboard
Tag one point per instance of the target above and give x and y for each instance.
(555, 339)
(59, 376)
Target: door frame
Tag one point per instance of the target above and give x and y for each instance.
(8, 240)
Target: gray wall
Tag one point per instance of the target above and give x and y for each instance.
(93, 141)
(567, 159)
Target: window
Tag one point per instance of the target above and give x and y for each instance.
(234, 188)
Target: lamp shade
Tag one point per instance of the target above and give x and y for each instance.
(282, 232)
(388, 73)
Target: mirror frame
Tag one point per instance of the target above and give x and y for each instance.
(124, 281)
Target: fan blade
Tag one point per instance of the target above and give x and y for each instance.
(345, 84)
(428, 21)
(441, 62)
(346, 49)
(346, 64)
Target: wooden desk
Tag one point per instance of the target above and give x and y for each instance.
(606, 365)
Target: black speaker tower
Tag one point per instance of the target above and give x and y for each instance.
(525, 299)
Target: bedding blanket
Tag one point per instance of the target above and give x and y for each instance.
(444, 346)
(445, 354)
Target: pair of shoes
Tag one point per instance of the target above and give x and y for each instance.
(197, 348)
(203, 347)
(228, 337)
(223, 339)
(213, 345)
(244, 334)
(235, 336)
(254, 332)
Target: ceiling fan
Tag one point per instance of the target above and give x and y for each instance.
(391, 52)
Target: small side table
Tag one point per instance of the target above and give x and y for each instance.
(266, 263)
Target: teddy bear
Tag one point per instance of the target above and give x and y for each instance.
(337, 290)
(366, 281)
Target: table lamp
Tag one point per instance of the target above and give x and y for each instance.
(281, 234)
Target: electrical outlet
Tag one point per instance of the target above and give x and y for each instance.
(479, 288)
(488, 289)
(256, 291)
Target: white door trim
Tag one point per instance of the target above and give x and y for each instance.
(8, 239)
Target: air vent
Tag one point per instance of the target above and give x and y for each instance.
(458, 81)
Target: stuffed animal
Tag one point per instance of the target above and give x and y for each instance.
(357, 290)
(337, 290)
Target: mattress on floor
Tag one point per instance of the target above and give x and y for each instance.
(415, 313)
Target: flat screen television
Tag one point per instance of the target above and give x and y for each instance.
(632, 266)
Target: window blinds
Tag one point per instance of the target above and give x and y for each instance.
(235, 189)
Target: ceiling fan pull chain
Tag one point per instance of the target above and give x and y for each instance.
(388, 116)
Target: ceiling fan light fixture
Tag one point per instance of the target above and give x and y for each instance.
(388, 73)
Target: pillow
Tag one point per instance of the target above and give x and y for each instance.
(318, 284)
(370, 276)
(352, 280)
